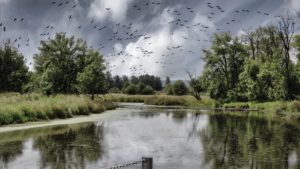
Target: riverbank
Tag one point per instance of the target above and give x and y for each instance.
(288, 109)
(162, 100)
(17, 108)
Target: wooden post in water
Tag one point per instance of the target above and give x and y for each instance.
(147, 163)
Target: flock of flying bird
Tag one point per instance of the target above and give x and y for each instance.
(124, 33)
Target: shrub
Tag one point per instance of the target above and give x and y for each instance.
(115, 90)
(294, 106)
(179, 88)
(169, 89)
(148, 90)
(131, 89)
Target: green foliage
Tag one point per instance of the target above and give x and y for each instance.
(179, 88)
(66, 65)
(294, 106)
(131, 89)
(168, 80)
(224, 62)
(148, 90)
(253, 69)
(13, 71)
(197, 87)
(92, 79)
(140, 82)
(114, 90)
(169, 89)
(296, 45)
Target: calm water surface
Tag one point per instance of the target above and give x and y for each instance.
(175, 139)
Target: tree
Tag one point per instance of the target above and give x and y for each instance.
(92, 79)
(224, 62)
(125, 81)
(118, 82)
(134, 80)
(140, 86)
(169, 89)
(256, 66)
(196, 86)
(109, 80)
(67, 65)
(179, 88)
(296, 45)
(168, 81)
(286, 33)
(13, 71)
(152, 81)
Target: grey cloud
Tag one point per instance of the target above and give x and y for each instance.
(145, 18)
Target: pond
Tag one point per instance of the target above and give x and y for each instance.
(176, 139)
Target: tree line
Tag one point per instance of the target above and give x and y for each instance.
(254, 66)
(68, 66)
(144, 84)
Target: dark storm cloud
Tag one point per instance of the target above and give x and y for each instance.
(135, 35)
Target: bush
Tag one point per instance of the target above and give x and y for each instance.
(281, 109)
(169, 89)
(294, 106)
(114, 90)
(131, 89)
(148, 90)
(179, 88)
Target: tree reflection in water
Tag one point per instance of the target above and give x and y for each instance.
(72, 149)
(247, 142)
(175, 138)
(9, 152)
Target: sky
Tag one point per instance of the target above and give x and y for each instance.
(159, 37)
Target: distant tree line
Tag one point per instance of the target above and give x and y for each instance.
(255, 66)
(144, 84)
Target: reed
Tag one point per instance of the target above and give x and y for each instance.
(17, 108)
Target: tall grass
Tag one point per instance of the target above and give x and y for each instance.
(16, 108)
(161, 100)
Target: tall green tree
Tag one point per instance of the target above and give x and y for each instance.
(92, 79)
(224, 62)
(63, 63)
(196, 86)
(13, 71)
(286, 32)
(168, 80)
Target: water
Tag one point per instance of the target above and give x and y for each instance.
(176, 139)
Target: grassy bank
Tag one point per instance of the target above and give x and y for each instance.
(161, 100)
(16, 108)
(282, 108)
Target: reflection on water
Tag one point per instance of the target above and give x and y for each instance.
(175, 139)
(72, 149)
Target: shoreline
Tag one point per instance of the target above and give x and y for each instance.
(106, 115)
